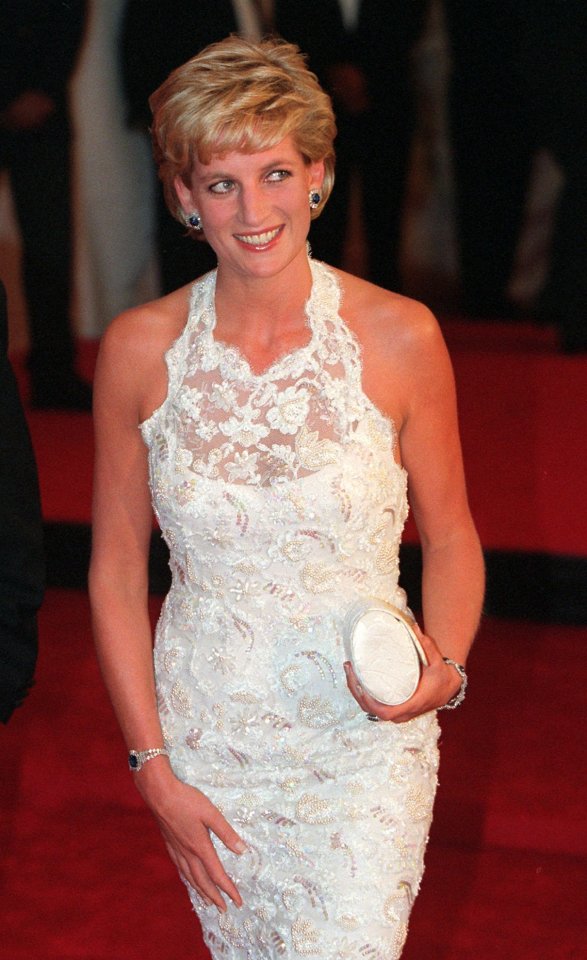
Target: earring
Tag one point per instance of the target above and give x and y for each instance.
(194, 221)
(315, 198)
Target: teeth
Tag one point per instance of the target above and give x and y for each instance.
(259, 239)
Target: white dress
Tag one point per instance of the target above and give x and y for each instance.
(281, 502)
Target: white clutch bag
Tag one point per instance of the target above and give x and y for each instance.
(384, 650)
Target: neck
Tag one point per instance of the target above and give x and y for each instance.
(261, 306)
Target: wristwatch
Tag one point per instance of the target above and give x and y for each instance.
(138, 758)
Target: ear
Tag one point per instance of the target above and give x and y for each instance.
(316, 175)
(184, 195)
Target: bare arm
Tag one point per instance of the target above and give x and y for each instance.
(119, 593)
(122, 521)
(453, 570)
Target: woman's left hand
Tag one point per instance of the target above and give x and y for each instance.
(438, 683)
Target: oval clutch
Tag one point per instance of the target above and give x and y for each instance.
(384, 650)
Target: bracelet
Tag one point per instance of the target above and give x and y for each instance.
(459, 696)
(137, 758)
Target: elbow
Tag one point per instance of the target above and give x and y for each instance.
(461, 537)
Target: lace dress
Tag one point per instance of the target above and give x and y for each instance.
(281, 502)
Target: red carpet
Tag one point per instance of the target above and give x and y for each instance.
(84, 875)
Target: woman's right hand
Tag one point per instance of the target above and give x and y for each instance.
(186, 818)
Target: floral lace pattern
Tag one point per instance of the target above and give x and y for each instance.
(281, 502)
(290, 421)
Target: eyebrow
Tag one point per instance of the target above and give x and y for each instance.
(223, 175)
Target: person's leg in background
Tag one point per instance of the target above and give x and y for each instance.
(41, 184)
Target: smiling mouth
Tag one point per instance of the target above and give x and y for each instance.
(258, 239)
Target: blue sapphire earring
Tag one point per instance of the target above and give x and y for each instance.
(194, 221)
(315, 198)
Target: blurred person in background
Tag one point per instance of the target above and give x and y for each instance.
(518, 84)
(39, 42)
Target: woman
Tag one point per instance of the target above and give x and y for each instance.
(274, 413)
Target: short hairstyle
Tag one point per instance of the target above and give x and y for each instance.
(238, 95)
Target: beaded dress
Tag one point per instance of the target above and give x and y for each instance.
(282, 504)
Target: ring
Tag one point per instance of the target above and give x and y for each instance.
(372, 717)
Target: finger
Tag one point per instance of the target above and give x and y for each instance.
(196, 875)
(202, 869)
(352, 679)
(183, 868)
(212, 865)
(207, 887)
(367, 703)
(205, 900)
(400, 713)
(223, 830)
(353, 684)
(187, 876)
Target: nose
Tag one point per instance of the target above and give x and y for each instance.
(253, 205)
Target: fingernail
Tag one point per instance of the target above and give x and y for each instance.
(240, 847)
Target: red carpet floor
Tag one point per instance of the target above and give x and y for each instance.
(84, 875)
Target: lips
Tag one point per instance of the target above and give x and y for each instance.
(258, 239)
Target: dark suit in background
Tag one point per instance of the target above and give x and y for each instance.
(492, 146)
(21, 540)
(368, 73)
(519, 83)
(39, 40)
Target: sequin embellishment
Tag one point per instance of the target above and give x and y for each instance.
(282, 503)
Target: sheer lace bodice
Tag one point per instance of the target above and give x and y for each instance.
(248, 441)
(281, 501)
(279, 425)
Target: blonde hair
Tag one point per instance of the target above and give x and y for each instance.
(238, 95)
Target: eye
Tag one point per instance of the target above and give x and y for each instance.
(276, 176)
(223, 186)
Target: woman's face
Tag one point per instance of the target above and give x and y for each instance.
(254, 206)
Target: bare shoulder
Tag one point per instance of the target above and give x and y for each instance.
(403, 350)
(147, 330)
(386, 321)
(131, 362)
